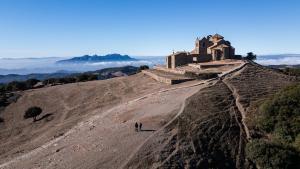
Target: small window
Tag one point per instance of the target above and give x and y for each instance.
(203, 44)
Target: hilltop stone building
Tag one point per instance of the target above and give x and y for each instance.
(210, 48)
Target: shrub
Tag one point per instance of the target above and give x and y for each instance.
(50, 81)
(2, 88)
(143, 67)
(32, 112)
(272, 156)
(291, 71)
(68, 80)
(3, 100)
(280, 119)
(86, 77)
(15, 85)
(281, 114)
(30, 83)
(250, 56)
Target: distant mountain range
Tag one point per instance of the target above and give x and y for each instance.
(97, 58)
(102, 74)
(40, 76)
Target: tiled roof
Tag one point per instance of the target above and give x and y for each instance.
(218, 36)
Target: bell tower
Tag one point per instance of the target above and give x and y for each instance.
(197, 46)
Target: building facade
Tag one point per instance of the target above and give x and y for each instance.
(210, 48)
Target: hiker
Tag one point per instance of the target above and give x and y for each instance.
(136, 126)
(141, 125)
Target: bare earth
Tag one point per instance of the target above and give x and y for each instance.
(213, 128)
(197, 124)
(105, 113)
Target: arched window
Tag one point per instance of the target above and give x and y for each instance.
(203, 44)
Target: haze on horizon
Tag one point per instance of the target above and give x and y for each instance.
(48, 28)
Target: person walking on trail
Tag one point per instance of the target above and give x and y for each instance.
(141, 125)
(136, 126)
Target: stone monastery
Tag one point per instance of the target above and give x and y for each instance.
(210, 48)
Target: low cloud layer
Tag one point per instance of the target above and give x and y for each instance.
(279, 59)
(47, 65)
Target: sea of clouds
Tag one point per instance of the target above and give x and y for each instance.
(24, 66)
(284, 59)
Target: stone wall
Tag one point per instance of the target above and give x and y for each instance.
(157, 78)
(169, 61)
(165, 79)
(204, 58)
(180, 59)
(175, 71)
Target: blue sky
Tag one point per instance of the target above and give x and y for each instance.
(45, 28)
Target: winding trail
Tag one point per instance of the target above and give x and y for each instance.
(90, 122)
(165, 126)
(207, 83)
(31, 158)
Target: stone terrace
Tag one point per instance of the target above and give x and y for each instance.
(166, 77)
(178, 74)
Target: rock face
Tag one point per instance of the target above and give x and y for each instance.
(211, 131)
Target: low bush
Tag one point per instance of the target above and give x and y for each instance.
(279, 119)
(272, 156)
(291, 71)
(30, 83)
(3, 100)
(143, 67)
(16, 85)
(281, 115)
(32, 112)
(250, 56)
(86, 77)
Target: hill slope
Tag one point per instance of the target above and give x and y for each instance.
(91, 122)
(198, 124)
(212, 130)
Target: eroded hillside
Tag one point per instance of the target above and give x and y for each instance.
(91, 124)
(212, 129)
(197, 124)
(63, 107)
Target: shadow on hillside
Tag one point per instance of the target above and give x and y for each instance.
(45, 116)
(147, 130)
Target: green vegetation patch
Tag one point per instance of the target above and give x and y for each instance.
(292, 71)
(269, 155)
(281, 115)
(279, 119)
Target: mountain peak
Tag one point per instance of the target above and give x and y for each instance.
(98, 58)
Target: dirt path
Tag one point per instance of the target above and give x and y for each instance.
(108, 138)
(162, 128)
